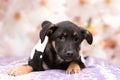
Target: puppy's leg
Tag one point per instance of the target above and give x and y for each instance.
(20, 70)
(73, 68)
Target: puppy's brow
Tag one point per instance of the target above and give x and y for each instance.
(75, 34)
(64, 33)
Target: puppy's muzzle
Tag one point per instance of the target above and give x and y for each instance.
(69, 56)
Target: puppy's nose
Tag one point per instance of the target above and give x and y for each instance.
(69, 53)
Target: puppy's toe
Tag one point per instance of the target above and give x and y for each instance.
(14, 72)
(72, 71)
(18, 73)
(20, 70)
(11, 72)
(73, 68)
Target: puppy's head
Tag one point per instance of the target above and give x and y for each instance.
(65, 37)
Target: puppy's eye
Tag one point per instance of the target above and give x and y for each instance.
(62, 38)
(76, 39)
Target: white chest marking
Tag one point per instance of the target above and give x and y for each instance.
(39, 46)
(82, 58)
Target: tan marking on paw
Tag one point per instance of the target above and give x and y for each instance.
(73, 68)
(20, 70)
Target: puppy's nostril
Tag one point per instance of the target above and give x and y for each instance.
(69, 53)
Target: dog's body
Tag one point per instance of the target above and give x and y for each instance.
(62, 49)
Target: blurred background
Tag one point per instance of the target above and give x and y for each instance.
(20, 24)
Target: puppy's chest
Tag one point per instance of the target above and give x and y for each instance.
(62, 65)
(56, 64)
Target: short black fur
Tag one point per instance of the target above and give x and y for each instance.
(62, 48)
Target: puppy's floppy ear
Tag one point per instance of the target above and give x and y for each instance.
(47, 29)
(87, 35)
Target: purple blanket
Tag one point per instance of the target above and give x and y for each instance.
(96, 70)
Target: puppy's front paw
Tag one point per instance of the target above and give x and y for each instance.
(20, 70)
(73, 68)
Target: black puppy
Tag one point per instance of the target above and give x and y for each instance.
(61, 51)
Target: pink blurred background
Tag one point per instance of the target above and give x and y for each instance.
(20, 24)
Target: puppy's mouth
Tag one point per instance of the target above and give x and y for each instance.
(68, 59)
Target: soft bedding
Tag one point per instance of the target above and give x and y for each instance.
(97, 69)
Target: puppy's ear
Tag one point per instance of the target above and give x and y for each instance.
(47, 29)
(87, 35)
